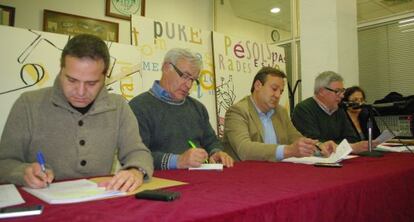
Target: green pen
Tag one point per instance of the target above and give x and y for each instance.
(191, 144)
(194, 146)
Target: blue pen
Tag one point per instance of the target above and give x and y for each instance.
(41, 161)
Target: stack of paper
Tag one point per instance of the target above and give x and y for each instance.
(342, 150)
(73, 192)
(9, 196)
(208, 166)
(390, 147)
(393, 147)
(154, 183)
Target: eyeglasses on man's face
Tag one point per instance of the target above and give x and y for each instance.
(336, 91)
(185, 76)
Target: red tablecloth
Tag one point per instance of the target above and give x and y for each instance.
(364, 189)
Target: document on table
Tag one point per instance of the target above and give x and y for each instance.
(154, 183)
(72, 192)
(342, 150)
(393, 147)
(9, 195)
(208, 166)
(390, 147)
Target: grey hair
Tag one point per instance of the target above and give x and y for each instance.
(326, 78)
(175, 54)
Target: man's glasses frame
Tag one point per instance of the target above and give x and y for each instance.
(184, 76)
(336, 91)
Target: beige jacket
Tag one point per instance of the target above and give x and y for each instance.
(243, 132)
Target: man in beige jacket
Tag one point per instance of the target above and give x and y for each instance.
(258, 128)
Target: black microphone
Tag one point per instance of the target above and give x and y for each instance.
(353, 105)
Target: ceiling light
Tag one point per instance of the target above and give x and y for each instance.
(275, 10)
(406, 20)
(408, 24)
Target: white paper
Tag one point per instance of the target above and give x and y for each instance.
(342, 151)
(385, 135)
(9, 195)
(350, 157)
(73, 192)
(208, 166)
(393, 148)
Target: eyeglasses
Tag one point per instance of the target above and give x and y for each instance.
(184, 76)
(336, 91)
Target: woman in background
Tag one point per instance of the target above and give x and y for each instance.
(359, 115)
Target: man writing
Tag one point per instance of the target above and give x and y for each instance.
(77, 125)
(170, 120)
(258, 128)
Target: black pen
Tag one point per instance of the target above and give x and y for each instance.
(319, 152)
(318, 147)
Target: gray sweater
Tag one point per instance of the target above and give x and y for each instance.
(165, 128)
(74, 145)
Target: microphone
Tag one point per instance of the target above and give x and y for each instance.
(353, 105)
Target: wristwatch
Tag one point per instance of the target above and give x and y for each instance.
(139, 169)
(142, 171)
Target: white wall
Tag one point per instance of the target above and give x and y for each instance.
(348, 65)
(328, 41)
(197, 13)
(228, 23)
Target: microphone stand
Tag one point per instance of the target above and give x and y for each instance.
(370, 152)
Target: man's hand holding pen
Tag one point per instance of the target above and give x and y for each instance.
(307, 147)
(300, 148)
(35, 177)
(193, 157)
(326, 148)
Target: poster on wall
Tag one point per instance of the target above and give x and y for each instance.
(32, 61)
(154, 38)
(236, 63)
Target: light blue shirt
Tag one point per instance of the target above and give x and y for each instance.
(270, 136)
(163, 95)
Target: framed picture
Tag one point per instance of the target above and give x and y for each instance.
(6, 15)
(68, 24)
(124, 9)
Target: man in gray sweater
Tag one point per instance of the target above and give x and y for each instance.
(76, 124)
(320, 117)
(171, 122)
